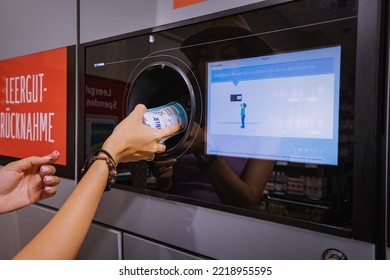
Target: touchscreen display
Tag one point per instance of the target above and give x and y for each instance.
(281, 107)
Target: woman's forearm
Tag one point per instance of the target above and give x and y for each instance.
(242, 191)
(229, 186)
(62, 237)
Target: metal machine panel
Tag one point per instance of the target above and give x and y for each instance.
(9, 242)
(217, 234)
(100, 243)
(136, 248)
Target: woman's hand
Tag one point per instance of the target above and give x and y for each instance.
(132, 140)
(27, 181)
(195, 142)
(163, 171)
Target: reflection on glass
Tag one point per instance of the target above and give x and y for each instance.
(210, 177)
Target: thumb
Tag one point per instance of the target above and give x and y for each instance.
(49, 159)
(139, 111)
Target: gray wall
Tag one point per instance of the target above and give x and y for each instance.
(32, 26)
(101, 18)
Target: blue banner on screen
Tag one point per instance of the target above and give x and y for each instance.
(281, 107)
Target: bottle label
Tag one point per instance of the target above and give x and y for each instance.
(170, 114)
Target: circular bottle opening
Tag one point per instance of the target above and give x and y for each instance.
(158, 84)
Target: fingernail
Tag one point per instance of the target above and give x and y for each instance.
(47, 188)
(44, 169)
(48, 178)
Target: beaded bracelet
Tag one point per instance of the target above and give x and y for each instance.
(104, 152)
(110, 164)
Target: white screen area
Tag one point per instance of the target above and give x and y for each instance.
(292, 106)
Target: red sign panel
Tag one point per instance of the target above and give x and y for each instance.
(182, 3)
(33, 104)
